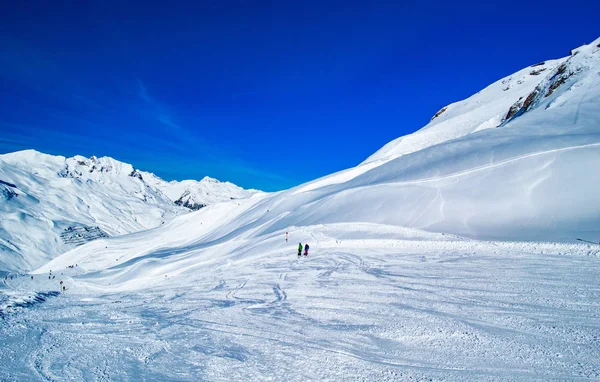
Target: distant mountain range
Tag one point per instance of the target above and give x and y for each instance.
(49, 204)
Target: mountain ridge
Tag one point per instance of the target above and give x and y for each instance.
(48, 203)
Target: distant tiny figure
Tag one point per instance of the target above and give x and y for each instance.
(32, 277)
(306, 249)
(299, 249)
(286, 236)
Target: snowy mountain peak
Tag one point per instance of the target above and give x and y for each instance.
(499, 103)
(93, 168)
(208, 179)
(50, 203)
(194, 194)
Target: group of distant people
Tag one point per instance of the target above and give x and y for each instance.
(305, 249)
(300, 246)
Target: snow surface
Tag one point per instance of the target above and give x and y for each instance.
(450, 254)
(370, 302)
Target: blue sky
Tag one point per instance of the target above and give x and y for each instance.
(265, 94)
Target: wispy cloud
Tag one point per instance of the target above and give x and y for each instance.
(143, 92)
(160, 113)
(68, 114)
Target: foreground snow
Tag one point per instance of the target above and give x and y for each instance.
(371, 302)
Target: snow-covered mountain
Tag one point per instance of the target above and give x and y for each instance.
(398, 284)
(49, 204)
(197, 194)
(516, 161)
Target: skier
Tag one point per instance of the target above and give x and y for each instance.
(299, 249)
(306, 249)
(286, 237)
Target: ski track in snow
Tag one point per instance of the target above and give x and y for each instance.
(352, 310)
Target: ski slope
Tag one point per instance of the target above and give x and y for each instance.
(450, 254)
(370, 302)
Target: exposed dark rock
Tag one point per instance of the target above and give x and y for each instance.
(514, 109)
(559, 78)
(191, 206)
(540, 64)
(66, 173)
(81, 163)
(442, 110)
(536, 72)
(8, 184)
(555, 85)
(136, 174)
(7, 193)
(520, 106)
(187, 203)
(529, 100)
(79, 235)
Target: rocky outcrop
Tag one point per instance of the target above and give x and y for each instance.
(136, 174)
(186, 201)
(442, 110)
(561, 76)
(7, 193)
(514, 109)
(544, 89)
(79, 235)
(536, 72)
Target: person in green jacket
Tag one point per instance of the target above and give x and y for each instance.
(299, 249)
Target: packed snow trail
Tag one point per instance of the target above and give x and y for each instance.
(370, 302)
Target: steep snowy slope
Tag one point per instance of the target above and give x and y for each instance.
(516, 160)
(529, 175)
(195, 195)
(49, 204)
(530, 178)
